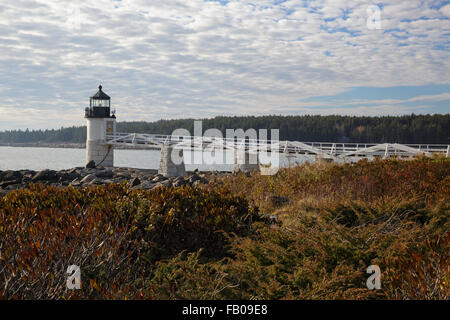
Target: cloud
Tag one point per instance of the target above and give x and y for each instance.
(445, 10)
(436, 97)
(172, 58)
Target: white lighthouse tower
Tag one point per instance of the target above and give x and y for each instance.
(100, 123)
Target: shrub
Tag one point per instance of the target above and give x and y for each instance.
(114, 234)
(211, 242)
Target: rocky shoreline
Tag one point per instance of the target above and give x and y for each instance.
(146, 179)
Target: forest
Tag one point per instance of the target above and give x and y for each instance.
(407, 129)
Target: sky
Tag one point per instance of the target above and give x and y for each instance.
(167, 59)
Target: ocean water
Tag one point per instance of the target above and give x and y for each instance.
(18, 158)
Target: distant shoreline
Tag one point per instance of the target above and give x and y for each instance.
(67, 145)
(46, 145)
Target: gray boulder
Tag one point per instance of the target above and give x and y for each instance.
(91, 164)
(107, 174)
(179, 182)
(147, 185)
(5, 184)
(135, 182)
(88, 178)
(10, 175)
(45, 175)
(158, 178)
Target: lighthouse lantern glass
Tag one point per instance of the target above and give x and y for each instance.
(100, 103)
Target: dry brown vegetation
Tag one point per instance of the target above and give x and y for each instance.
(332, 222)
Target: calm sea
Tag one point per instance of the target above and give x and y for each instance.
(17, 158)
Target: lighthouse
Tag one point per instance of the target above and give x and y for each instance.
(101, 122)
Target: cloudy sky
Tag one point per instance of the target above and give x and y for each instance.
(197, 58)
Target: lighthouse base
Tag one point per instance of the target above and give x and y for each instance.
(99, 152)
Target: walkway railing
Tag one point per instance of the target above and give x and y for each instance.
(327, 150)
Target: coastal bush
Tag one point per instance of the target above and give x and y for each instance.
(211, 242)
(177, 219)
(425, 178)
(114, 234)
(340, 219)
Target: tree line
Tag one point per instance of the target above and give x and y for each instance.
(426, 129)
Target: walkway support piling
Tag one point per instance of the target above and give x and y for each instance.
(244, 161)
(171, 163)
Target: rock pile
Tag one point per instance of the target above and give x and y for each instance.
(83, 177)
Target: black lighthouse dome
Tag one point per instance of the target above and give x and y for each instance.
(100, 95)
(100, 105)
